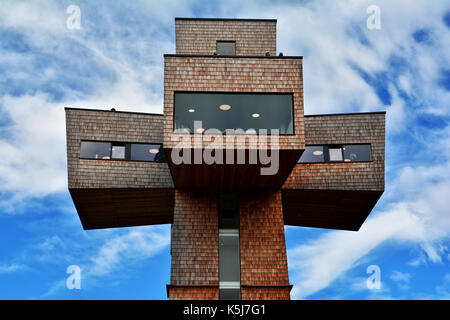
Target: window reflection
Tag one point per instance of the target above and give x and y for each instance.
(357, 152)
(312, 154)
(95, 150)
(147, 152)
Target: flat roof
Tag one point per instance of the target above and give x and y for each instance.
(226, 19)
(101, 110)
(343, 114)
(161, 114)
(236, 56)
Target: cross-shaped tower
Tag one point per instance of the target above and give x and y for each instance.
(232, 160)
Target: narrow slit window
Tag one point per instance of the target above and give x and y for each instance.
(229, 248)
(122, 151)
(336, 153)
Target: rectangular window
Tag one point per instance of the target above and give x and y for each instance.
(229, 264)
(336, 153)
(122, 151)
(147, 152)
(312, 154)
(226, 48)
(233, 112)
(95, 150)
(229, 294)
(118, 151)
(229, 248)
(357, 152)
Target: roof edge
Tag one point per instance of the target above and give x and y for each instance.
(344, 114)
(100, 110)
(219, 56)
(225, 19)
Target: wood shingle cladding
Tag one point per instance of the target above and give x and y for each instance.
(110, 193)
(116, 193)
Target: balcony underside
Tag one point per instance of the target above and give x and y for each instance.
(331, 209)
(232, 176)
(123, 207)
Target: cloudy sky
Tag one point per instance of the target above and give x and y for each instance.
(116, 60)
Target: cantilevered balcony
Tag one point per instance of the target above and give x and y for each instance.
(117, 172)
(237, 106)
(340, 176)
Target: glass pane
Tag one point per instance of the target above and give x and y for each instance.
(118, 152)
(228, 212)
(226, 48)
(229, 261)
(229, 255)
(312, 154)
(357, 152)
(335, 154)
(95, 150)
(147, 152)
(231, 112)
(229, 294)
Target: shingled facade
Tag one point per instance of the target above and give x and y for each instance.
(226, 93)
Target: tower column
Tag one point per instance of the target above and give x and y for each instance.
(194, 247)
(264, 268)
(195, 244)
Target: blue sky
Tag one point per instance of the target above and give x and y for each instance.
(116, 60)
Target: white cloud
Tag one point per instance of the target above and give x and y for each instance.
(123, 250)
(399, 276)
(395, 113)
(33, 144)
(11, 268)
(421, 218)
(416, 210)
(33, 139)
(111, 254)
(318, 263)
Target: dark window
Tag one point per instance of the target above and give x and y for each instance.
(312, 154)
(230, 294)
(336, 153)
(229, 252)
(233, 112)
(357, 152)
(226, 48)
(95, 150)
(147, 152)
(228, 212)
(122, 151)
